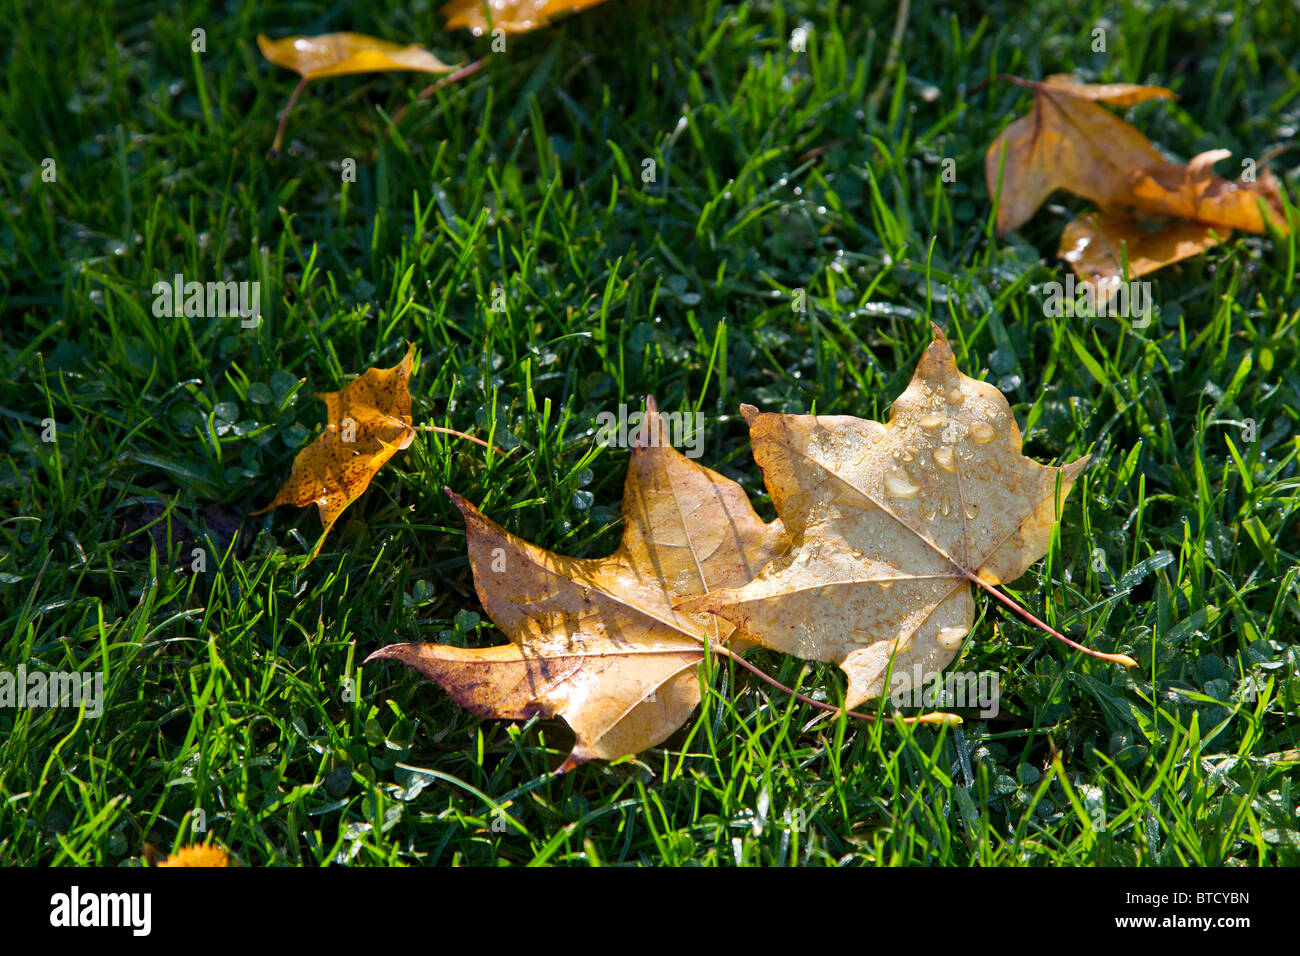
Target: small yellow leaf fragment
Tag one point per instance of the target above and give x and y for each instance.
(939, 717)
(197, 855)
(950, 638)
(340, 54)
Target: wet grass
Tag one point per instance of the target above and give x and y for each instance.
(231, 670)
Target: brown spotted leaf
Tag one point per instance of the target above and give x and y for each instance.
(599, 641)
(891, 524)
(1068, 142)
(367, 422)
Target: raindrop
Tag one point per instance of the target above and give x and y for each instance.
(899, 485)
(981, 433)
(932, 421)
(945, 459)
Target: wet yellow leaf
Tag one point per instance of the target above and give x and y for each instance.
(890, 526)
(367, 422)
(598, 641)
(340, 54)
(511, 16)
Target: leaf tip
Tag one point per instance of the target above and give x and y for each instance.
(749, 413)
(390, 652)
(577, 757)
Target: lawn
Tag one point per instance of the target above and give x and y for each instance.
(136, 447)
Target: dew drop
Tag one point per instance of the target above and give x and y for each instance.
(972, 511)
(981, 433)
(945, 459)
(955, 396)
(899, 485)
(885, 585)
(932, 421)
(950, 638)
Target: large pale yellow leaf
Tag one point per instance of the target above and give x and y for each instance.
(599, 641)
(891, 524)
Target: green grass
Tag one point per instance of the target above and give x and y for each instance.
(239, 690)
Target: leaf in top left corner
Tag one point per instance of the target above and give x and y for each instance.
(340, 54)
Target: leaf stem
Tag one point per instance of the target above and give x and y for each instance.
(432, 88)
(274, 152)
(452, 431)
(1046, 628)
(937, 717)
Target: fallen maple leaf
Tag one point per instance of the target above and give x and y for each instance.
(341, 54)
(891, 524)
(510, 16)
(598, 641)
(367, 422)
(1068, 142)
